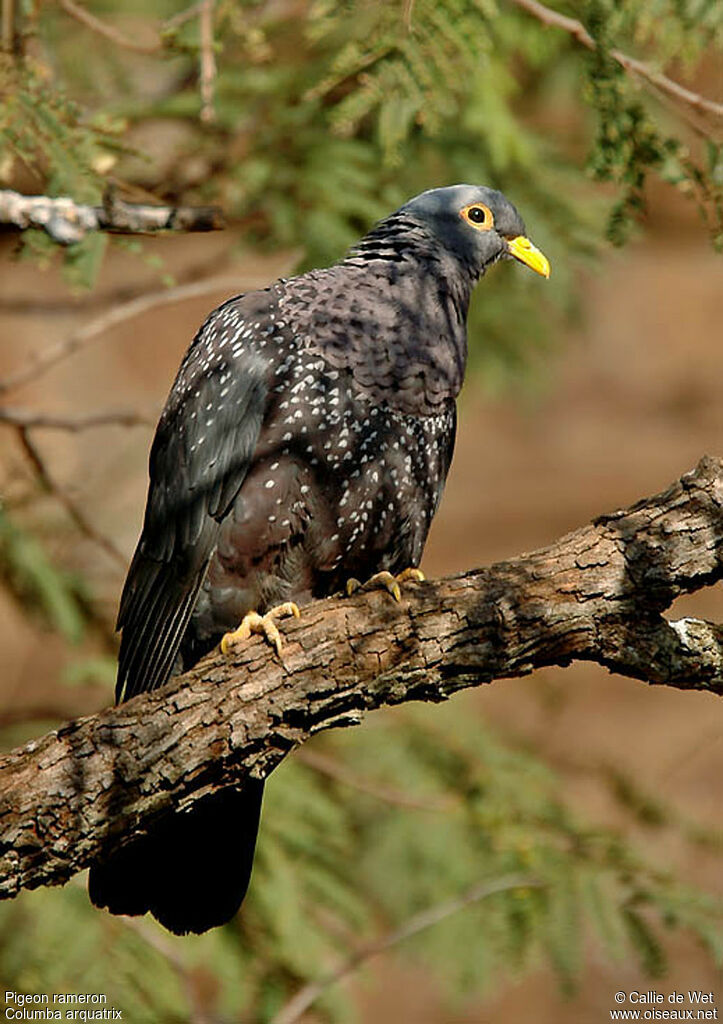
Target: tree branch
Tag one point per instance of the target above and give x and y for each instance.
(67, 221)
(207, 70)
(595, 595)
(577, 30)
(325, 765)
(107, 31)
(99, 327)
(307, 996)
(30, 420)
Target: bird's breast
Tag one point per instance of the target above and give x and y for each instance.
(340, 485)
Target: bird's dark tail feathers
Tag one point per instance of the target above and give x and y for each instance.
(192, 871)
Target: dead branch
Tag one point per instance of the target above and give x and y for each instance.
(596, 595)
(577, 30)
(67, 221)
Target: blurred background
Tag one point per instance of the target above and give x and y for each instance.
(306, 122)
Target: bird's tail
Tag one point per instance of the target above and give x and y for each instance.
(192, 871)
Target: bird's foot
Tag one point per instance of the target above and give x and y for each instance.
(385, 580)
(264, 625)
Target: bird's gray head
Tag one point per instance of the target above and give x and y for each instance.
(478, 225)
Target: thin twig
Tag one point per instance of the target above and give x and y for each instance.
(41, 421)
(101, 325)
(340, 773)
(107, 31)
(180, 19)
(695, 119)
(208, 62)
(578, 31)
(78, 517)
(308, 995)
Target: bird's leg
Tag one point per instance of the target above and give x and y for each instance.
(386, 581)
(264, 625)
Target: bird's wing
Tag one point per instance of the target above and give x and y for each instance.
(201, 453)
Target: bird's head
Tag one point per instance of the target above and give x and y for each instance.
(477, 224)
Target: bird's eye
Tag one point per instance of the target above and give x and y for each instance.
(478, 215)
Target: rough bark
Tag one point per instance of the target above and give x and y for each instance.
(597, 594)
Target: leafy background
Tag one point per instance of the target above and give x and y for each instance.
(585, 393)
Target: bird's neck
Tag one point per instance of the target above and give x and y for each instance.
(400, 242)
(394, 315)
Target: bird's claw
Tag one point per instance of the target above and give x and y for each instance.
(411, 574)
(386, 581)
(264, 625)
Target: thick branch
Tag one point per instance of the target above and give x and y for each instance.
(67, 221)
(595, 595)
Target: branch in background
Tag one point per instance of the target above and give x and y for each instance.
(72, 424)
(208, 62)
(97, 328)
(308, 995)
(68, 304)
(177, 20)
(70, 506)
(325, 765)
(595, 595)
(407, 12)
(636, 67)
(24, 421)
(107, 31)
(67, 221)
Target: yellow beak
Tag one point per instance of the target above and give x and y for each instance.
(524, 251)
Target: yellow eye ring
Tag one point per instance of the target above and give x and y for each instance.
(478, 216)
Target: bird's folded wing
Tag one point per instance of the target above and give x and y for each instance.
(201, 453)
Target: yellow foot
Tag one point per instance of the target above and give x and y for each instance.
(386, 581)
(252, 622)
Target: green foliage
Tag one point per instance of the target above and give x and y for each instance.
(45, 130)
(64, 150)
(338, 866)
(629, 144)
